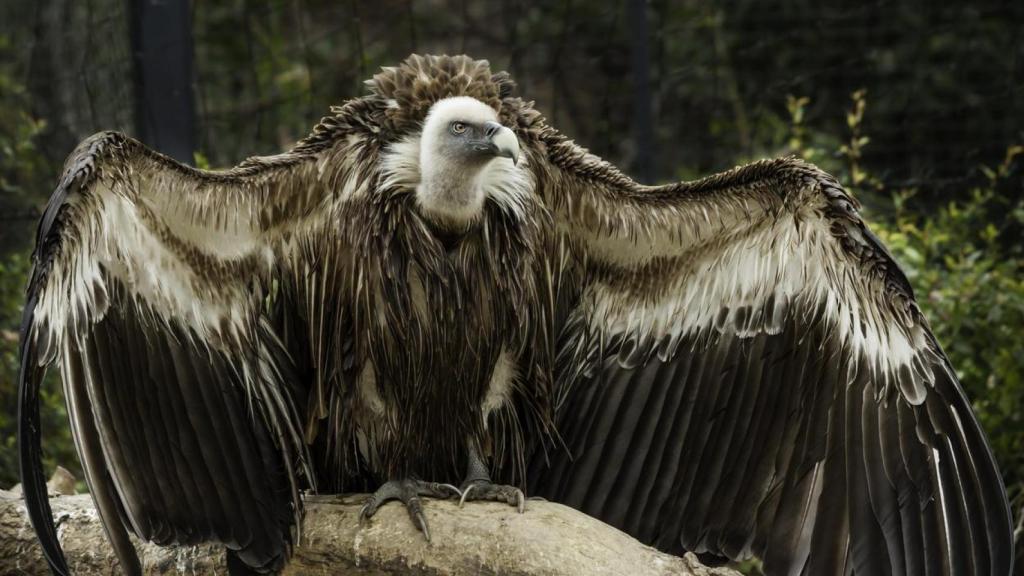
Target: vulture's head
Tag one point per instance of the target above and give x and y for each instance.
(465, 155)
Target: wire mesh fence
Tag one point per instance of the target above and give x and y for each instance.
(666, 89)
(944, 82)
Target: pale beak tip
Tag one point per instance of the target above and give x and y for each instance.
(506, 143)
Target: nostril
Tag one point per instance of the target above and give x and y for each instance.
(492, 127)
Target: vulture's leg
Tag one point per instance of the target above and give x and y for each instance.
(478, 485)
(408, 491)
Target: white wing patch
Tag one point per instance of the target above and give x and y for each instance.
(190, 249)
(751, 284)
(116, 243)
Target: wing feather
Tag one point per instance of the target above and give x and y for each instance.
(87, 445)
(745, 371)
(148, 287)
(660, 448)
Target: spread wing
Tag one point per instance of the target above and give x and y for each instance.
(744, 370)
(150, 285)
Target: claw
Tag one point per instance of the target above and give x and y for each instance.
(368, 510)
(465, 494)
(455, 491)
(421, 523)
(415, 509)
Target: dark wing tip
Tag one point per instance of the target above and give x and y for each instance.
(30, 454)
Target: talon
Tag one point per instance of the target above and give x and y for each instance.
(366, 512)
(416, 513)
(439, 488)
(421, 522)
(465, 494)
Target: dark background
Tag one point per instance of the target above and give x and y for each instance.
(666, 90)
(660, 87)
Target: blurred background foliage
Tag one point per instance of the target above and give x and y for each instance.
(917, 106)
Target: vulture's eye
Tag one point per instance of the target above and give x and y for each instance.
(458, 127)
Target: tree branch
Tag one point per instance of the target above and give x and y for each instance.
(481, 538)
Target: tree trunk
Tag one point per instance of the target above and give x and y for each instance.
(162, 46)
(643, 125)
(481, 538)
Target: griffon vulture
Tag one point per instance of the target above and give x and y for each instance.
(436, 288)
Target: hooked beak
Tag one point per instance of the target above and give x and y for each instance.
(502, 141)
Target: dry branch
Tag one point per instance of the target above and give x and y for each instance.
(482, 538)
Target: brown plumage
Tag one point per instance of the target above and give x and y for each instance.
(436, 284)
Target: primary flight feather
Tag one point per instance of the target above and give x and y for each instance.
(438, 294)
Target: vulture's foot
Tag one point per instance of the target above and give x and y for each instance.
(409, 492)
(487, 490)
(478, 484)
